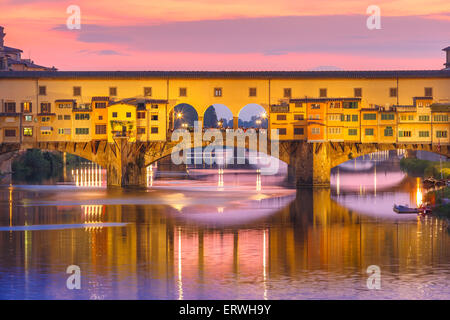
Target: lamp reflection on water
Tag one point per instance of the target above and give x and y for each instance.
(89, 175)
(419, 195)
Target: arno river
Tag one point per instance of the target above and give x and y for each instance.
(222, 234)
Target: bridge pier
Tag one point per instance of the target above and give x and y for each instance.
(126, 165)
(309, 164)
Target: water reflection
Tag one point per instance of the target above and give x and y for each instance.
(249, 242)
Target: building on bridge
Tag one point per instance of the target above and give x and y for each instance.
(351, 107)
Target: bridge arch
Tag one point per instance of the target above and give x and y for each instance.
(218, 116)
(183, 115)
(253, 115)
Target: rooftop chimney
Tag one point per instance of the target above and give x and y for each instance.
(447, 51)
(2, 36)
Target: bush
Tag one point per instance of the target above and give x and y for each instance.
(35, 165)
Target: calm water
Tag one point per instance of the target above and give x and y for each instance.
(224, 234)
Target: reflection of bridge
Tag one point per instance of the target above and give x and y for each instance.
(323, 118)
(308, 163)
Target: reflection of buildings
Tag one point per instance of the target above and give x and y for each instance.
(159, 256)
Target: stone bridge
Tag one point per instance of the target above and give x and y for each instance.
(309, 163)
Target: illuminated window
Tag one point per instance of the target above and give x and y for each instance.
(26, 107)
(217, 92)
(28, 118)
(28, 132)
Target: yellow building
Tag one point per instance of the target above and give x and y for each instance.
(359, 106)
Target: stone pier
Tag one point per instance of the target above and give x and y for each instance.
(309, 164)
(126, 165)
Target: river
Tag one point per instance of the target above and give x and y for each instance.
(223, 234)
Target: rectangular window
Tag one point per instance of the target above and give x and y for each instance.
(28, 118)
(154, 130)
(315, 130)
(424, 134)
(299, 117)
(441, 134)
(370, 116)
(141, 115)
(183, 92)
(354, 117)
(299, 104)
(100, 105)
(10, 132)
(81, 130)
(45, 119)
(323, 92)
(67, 117)
(82, 116)
(441, 118)
(334, 117)
(154, 106)
(315, 105)
(404, 134)
(128, 114)
(28, 132)
(387, 116)
(352, 132)
(282, 131)
(388, 132)
(112, 91)
(148, 91)
(140, 130)
(428, 92)
(42, 90)
(114, 114)
(392, 92)
(154, 117)
(287, 92)
(46, 107)
(357, 92)
(77, 91)
(26, 107)
(368, 132)
(100, 129)
(299, 131)
(334, 130)
(217, 92)
(281, 117)
(350, 105)
(60, 117)
(252, 92)
(335, 105)
(10, 107)
(411, 117)
(100, 117)
(424, 118)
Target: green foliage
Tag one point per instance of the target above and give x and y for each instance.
(35, 165)
(425, 168)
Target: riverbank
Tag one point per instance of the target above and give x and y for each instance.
(426, 168)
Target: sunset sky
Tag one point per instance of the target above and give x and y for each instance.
(229, 35)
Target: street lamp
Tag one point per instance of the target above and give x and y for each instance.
(179, 115)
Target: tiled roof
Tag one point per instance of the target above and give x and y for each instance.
(440, 107)
(225, 74)
(10, 49)
(323, 99)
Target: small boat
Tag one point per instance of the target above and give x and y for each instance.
(405, 209)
